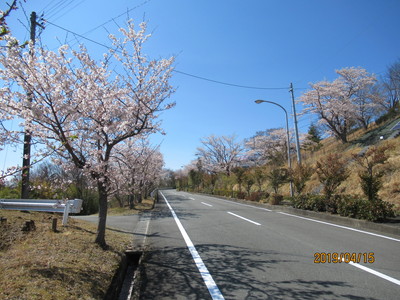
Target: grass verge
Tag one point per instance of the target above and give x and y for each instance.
(67, 264)
(146, 204)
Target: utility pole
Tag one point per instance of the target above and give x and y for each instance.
(296, 131)
(26, 159)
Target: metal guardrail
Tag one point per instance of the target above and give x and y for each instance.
(59, 206)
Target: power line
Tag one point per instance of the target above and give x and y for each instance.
(54, 6)
(231, 84)
(64, 9)
(112, 19)
(176, 71)
(79, 35)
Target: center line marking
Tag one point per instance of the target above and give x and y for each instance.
(208, 280)
(243, 218)
(206, 204)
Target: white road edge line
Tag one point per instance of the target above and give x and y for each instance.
(206, 204)
(208, 280)
(376, 273)
(340, 226)
(231, 213)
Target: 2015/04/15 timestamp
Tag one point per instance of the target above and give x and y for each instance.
(335, 257)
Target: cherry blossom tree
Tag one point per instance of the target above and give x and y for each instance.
(3, 15)
(136, 168)
(343, 102)
(268, 146)
(82, 108)
(220, 154)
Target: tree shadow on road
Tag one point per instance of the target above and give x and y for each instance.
(171, 274)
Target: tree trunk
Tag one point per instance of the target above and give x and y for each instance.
(101, 227)
(139, 198)
(131, 199)
(120, 200)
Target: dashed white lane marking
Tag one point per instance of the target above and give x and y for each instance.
(206, 204)
(366, 269)
(241, 204)
(208, 280)
(243, 218)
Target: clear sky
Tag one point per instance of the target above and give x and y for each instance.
(255, 43)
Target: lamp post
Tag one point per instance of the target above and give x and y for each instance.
(287, 136)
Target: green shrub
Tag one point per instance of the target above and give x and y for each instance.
(355, 207)
(10, 193)
(299, 201)
(317, 203)
(309, 202)
(351, 206)
(332, 204)
(276, 199)
(257, 196)
(224, 193)
(380, 211)
(240, 195)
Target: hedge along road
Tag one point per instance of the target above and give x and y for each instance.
(202, 247)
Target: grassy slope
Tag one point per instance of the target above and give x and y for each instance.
(359, 142)
(68, 264)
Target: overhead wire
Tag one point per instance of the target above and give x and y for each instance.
(59, 9)
(54, 7)
(56, 15)
(232, 84)
(112, 19)
(176, 71)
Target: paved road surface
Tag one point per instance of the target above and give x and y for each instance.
(210, 248)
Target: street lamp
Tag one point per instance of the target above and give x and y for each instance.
(287, 135)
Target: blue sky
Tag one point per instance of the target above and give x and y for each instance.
(256, 43)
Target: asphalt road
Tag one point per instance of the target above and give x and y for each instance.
(202, 247)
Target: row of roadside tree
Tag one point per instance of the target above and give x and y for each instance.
(90, 114)
(256, 168)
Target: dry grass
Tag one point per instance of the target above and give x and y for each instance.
(42, 264)
(146, 204)
(391, 180)
(390, 190)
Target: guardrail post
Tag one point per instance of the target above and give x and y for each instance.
(54, 225)
(66, 213)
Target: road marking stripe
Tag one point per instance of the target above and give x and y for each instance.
(191, 198)
(208, 280)
(340, 226)
(243, 218)
(241, 204)
(379, 274)
(206, 204)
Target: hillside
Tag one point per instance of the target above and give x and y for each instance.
(359, 142)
